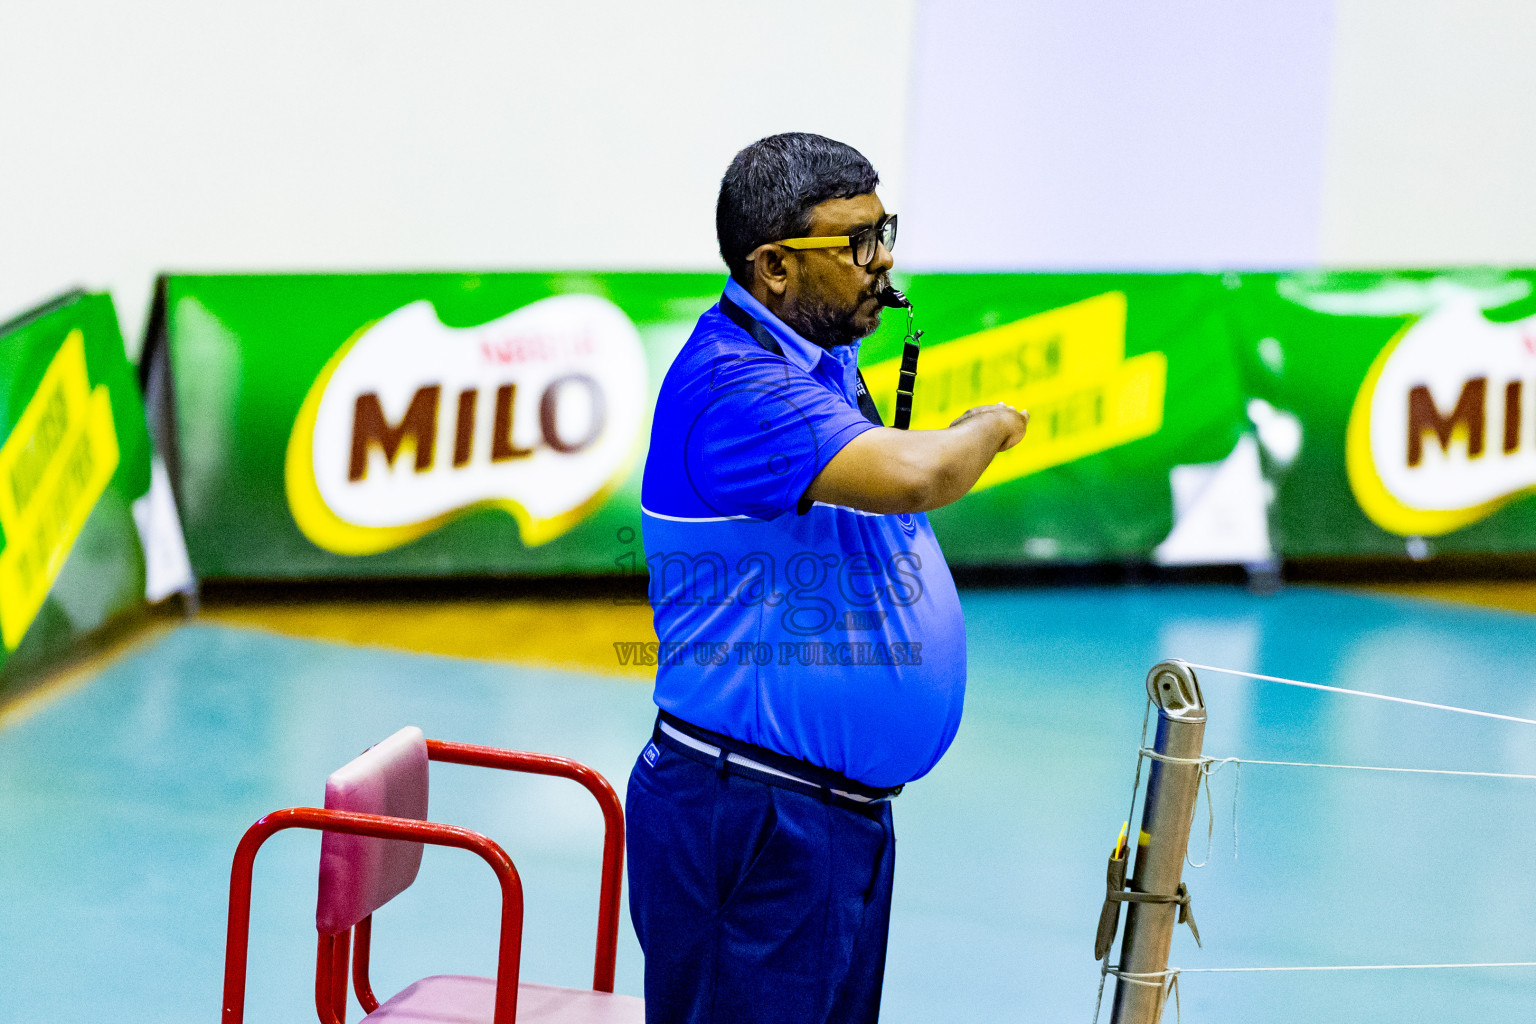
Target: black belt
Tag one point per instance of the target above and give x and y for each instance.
(778, 769)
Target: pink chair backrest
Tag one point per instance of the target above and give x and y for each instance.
(359, 874)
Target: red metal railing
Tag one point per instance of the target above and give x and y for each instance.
(362, 936)
(331, 958)
(613, 834)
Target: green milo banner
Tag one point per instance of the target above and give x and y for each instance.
(446, 424)
(74, 459)
(1126, 378)
(416, 424)
(1414, 395)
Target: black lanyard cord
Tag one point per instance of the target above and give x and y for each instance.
(906, 380)
(747, 322)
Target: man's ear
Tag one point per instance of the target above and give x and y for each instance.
(770, 270)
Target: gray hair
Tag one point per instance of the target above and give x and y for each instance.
(769, 189)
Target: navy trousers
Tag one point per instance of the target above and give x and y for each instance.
(755, 903)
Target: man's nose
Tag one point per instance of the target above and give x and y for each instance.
(883, 261)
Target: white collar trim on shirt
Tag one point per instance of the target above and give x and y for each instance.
(692, 519)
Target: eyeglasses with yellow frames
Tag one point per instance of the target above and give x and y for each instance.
(865, 242)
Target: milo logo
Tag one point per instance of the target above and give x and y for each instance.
(1443, 430)
(412, 423)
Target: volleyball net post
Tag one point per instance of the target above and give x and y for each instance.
(1156, 897)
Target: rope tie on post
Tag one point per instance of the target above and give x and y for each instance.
(1208, 766)
(1181, 898)
(1211, 765)
(1168, 980)
(1165, 982)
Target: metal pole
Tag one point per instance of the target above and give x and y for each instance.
(1164, 840)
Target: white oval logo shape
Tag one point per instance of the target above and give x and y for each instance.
(413, 422)
(1443, 430)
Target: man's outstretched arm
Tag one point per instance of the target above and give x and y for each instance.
(893, 471)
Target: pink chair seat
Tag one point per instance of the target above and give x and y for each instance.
(462, 999)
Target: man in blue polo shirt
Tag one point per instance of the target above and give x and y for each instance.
(813, 650)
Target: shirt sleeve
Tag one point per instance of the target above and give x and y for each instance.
(762, 431)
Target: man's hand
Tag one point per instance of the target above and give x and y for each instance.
(893, 471)
(1021, 419)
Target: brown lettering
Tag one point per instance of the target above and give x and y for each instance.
(1470, 412)
(419, 425)
(502, 447)
(464, 427)
(549, 408)
(1512, 417)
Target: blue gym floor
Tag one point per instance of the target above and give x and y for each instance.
(123, 801)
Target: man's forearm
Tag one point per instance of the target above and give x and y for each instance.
(892, 471)
(954, 458)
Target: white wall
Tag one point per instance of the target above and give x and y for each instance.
(1016, 134)
(1432, 151)
(351, 134)
(1071, 134)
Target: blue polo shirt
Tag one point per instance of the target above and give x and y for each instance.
(822, 632)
